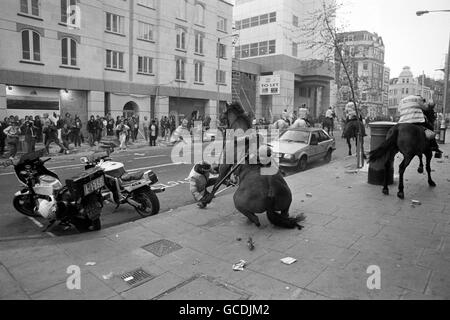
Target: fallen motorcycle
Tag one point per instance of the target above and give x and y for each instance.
(122, 187)
(78, 204)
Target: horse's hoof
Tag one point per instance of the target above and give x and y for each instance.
(401, 195)
(432, 183)
(420, 170)
(386, 192)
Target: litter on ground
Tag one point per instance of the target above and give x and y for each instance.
(288, 260)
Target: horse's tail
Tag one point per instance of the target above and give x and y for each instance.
(284, 222)
(389, 145)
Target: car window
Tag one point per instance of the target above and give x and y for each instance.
(323, 136)
(295, 136)
(314, 136)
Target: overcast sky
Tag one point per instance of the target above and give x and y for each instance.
(418, 42)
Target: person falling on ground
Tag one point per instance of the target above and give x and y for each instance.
(200, 180)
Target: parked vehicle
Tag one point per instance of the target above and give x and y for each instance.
(79, 203)
(299, 147)
(122, 187)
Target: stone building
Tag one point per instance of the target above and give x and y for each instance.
(145, 57)
(271, 57)
(364, 56)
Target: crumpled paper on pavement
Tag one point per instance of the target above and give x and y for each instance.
(239, 266)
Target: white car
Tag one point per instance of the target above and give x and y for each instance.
(298, 147)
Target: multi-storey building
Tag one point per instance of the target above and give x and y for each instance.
(386, 82)
(363, 54)
(403, 86)
(270, 44)
(147, 57)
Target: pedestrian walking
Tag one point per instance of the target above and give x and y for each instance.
(65, 135)
(52, 137)
(29, 131)
(38, 126)
(12, 133)
(153, 133)
(77, 132)
(123, 130)
(92, 130)
(146, 128)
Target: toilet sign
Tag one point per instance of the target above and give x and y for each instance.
(269, 85)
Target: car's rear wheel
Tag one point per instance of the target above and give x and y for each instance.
(302, 163)
(328, 156)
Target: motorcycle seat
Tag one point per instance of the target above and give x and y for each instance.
(128, 177)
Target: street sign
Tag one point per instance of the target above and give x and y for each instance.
(270, 85)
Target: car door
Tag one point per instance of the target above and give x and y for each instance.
(324, 142)
(314, 150)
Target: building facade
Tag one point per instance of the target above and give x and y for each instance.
(405, 85)
(270, 53)
(363, 53)
(145, 57)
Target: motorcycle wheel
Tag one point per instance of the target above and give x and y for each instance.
(25, 206)
(149, 202)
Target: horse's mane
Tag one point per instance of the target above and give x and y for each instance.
(237, 109)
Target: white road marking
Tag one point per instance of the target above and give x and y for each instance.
(150, 157)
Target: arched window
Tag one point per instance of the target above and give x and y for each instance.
(200, 14)
(199, 43)
(31, 45)
(182, 9)
(180, 65)
(30, 7)
(69, 52)
(181, 39)
(199, 72)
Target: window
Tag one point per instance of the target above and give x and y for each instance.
(182, 9)
(295, 20)
(199, 37)
(245, 52)
(365, 66)
(294, 49)
(237, 52)
(68, 52)
(145, 31)
(221, 24)
(238, 25)
(254, 49)
(264, 19)
(254, 21)
(221, 51)
(273, 17)
(199, 72)
(145, 65)
(68, 13)
(180, 68)
(30, 7)
(245, 23)
(406, 91)
(221, 76)
(200, 12)
(263, 48)
(114, 23)
(114, 60)
(181, 39)
(272, 46)
(147, 3)
(31, 46)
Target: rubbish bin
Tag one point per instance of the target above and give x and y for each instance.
(378, 132)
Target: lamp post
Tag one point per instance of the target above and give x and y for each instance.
(219, 56)
(446, 77)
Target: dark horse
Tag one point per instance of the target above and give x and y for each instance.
(411, 141)
(328, 123)
(351, 130)
(257, 193)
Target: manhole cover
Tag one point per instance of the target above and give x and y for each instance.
(162, 247)
(136, 277)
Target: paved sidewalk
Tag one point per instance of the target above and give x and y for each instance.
(350, 226)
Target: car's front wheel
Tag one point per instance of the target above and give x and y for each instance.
(302, 163)
(328, 156)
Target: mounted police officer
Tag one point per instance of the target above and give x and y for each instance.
(412, 109)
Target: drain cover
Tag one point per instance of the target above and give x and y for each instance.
(161, 248)
(136, 277)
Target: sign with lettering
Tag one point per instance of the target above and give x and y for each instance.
(270, 85)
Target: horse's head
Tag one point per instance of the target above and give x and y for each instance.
(234, 117)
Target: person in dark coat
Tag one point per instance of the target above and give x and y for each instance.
(92, 130)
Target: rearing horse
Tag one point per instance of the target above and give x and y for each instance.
(257, 193)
